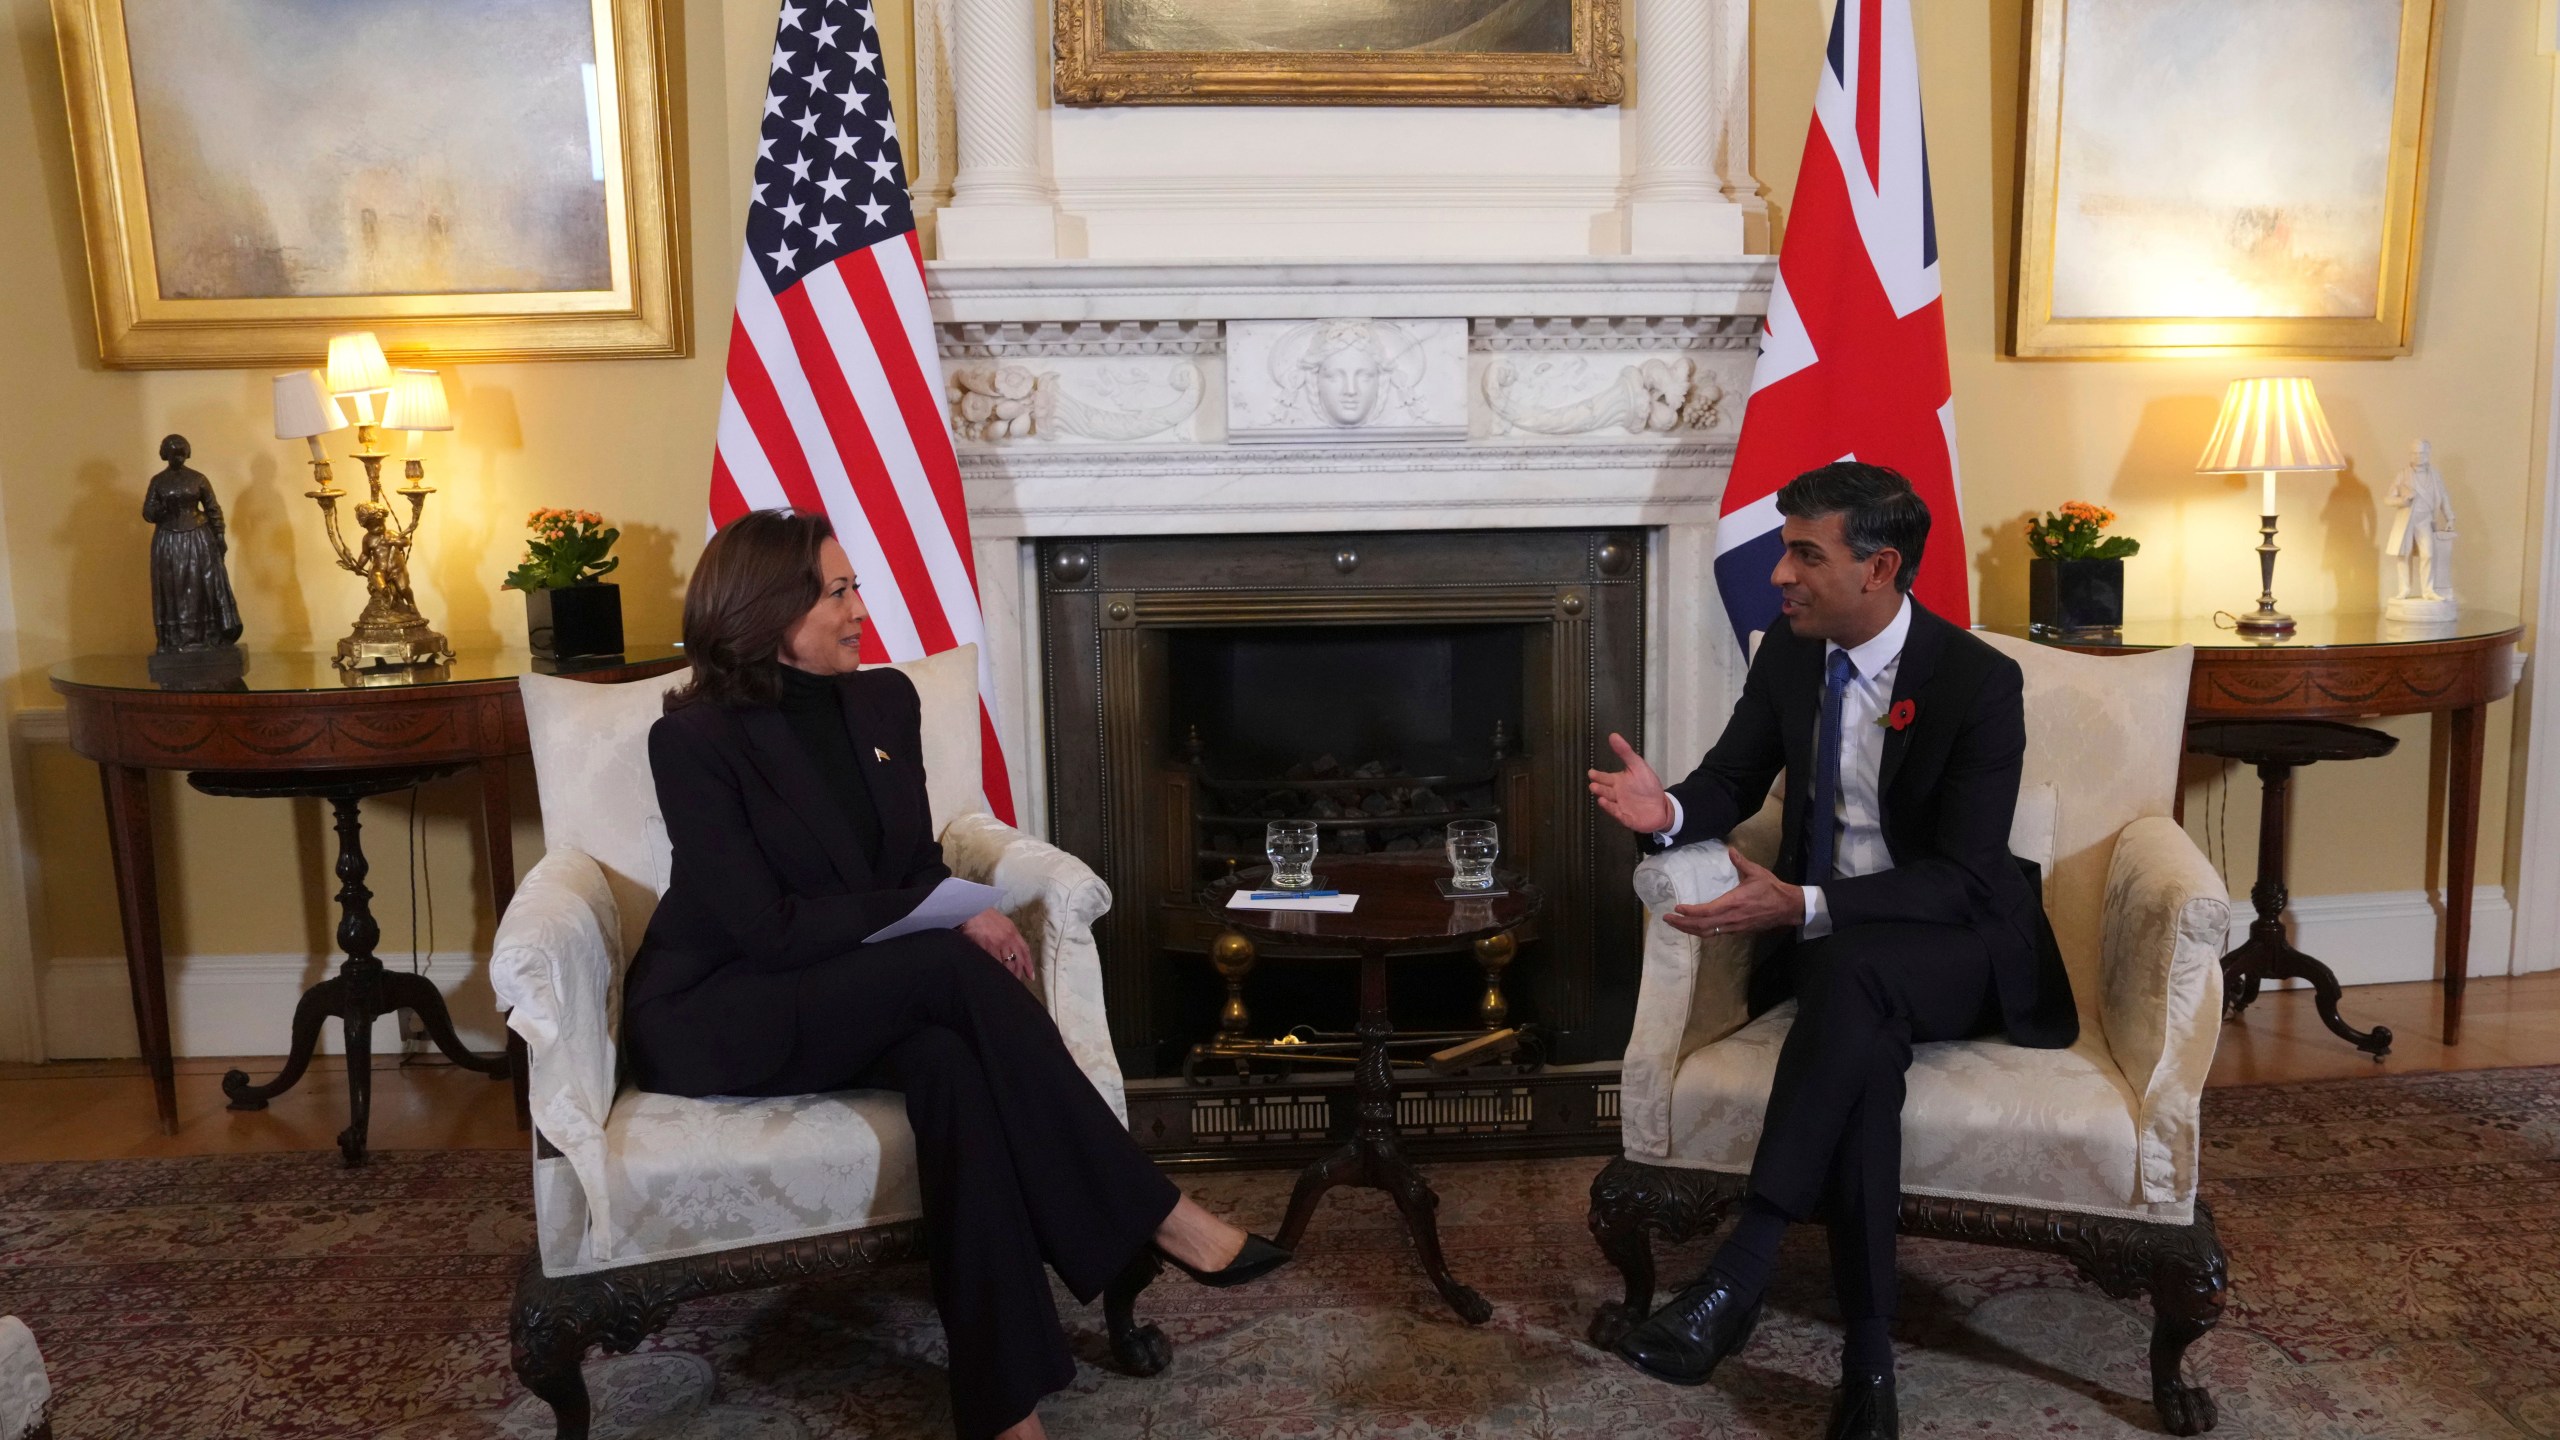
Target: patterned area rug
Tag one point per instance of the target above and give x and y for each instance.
(2393, 1262)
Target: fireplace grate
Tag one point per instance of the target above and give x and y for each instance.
(1375, 808)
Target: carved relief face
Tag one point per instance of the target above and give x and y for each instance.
(1348, 385)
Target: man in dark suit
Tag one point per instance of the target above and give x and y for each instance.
(1895, 912)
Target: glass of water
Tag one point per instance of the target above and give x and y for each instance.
(1473, 847)
(1290, 845)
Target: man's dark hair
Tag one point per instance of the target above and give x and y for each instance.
(1879, 509)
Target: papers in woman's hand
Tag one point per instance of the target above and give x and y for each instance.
(951, 902)
(1318, 904)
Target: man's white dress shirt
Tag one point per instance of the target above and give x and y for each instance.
(1859, 809)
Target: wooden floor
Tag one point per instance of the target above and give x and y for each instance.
(101, 1109)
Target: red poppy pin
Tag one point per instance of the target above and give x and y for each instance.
(1902, 714)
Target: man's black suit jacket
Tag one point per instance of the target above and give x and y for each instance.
(768, 879)
(1950, 788)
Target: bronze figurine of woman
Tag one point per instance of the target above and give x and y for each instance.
(191, 603)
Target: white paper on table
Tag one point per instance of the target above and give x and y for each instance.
(1319, 904)
(951, 902)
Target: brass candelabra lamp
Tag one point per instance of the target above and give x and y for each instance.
(359, 387)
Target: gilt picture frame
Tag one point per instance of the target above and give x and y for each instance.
(2222, 177)
(485, 180)
(1340, 52)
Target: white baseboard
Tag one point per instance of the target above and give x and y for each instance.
(237, 1005)
(2381, 937)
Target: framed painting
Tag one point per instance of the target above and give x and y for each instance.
(1340, 52)
(2223, 176)
(469, 179)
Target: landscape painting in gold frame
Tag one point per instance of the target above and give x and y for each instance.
(1340, 52)
(468, 179)
(2223, 176)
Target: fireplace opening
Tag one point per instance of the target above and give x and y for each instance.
(1380, 684)
(1379, 734)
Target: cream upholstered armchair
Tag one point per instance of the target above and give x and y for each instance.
(2088, 1152)
(642, 1201)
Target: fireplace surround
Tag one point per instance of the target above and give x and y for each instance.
(1120, 411)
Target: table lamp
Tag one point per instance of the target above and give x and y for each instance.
(358, 381)
(305, 411)
(2268, 426)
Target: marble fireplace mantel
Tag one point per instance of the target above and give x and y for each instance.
(1103, 398)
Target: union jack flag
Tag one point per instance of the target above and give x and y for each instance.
(833, 399)
(1854, 361)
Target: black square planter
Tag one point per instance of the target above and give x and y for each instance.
(2075, 597)
(574, 620)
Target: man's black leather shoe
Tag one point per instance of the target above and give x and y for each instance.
(1683, 1341)
(1864, 1409)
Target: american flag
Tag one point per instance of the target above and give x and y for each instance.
(833, 399)
(1854, 361)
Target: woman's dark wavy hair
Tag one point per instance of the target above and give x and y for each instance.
(755, 580)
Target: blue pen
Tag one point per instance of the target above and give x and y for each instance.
(1290, 894)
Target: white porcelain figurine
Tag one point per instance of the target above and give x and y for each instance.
(2420, 542)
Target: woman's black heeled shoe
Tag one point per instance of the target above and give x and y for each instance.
(1258, 1258)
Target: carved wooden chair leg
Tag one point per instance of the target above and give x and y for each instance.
(2189, 1276)
(553, 1324)
(1137, 1349)
(1626, 1243)
(1630, 1204)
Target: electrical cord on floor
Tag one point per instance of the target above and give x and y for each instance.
(413, 1037)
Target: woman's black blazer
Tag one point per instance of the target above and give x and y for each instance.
(768, 879)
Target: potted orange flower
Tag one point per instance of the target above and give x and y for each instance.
(568, 608)
(2075, 583)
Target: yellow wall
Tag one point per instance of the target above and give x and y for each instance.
(2127, 433)
(632, 440)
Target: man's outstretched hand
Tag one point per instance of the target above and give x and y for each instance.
(1633, 797)
(1761, 902)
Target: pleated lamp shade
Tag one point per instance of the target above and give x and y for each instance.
(2269, 425)
(356, 364)
(304, 406)
(417, 402)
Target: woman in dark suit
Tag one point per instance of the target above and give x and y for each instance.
(795, 802)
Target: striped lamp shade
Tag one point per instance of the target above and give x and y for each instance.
(2270, 424)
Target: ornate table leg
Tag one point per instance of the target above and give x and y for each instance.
(2461, 852)
(1495, 953)
(1233, 955)
(1375, 1156)
(362, 990)
(2267, 954)
(128, 792)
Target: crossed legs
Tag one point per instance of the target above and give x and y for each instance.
(1021, 1162)
(1831, 1138)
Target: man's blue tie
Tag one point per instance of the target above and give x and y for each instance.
(1821, 818)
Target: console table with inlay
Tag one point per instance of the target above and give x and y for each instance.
(2332, 668)
(291, 724)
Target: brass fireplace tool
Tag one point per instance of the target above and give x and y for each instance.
(390, 634)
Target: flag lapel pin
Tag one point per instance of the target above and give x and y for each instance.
(883, 754)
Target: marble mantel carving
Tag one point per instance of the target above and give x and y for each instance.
(1105, 399)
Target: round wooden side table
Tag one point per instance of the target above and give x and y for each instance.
(1401, 914)
(292, 723)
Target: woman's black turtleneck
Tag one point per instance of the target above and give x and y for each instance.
(811, 704)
